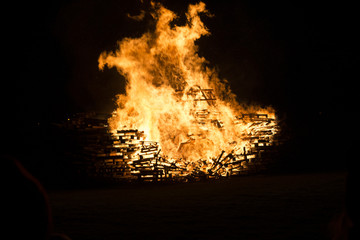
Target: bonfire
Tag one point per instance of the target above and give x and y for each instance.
(177, 118)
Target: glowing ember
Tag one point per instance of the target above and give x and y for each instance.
(174, 99)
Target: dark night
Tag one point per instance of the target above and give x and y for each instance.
(179, 120)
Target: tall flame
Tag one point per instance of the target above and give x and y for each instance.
(168, 92)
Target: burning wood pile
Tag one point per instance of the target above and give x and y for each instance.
(126, 156)
(177, 119)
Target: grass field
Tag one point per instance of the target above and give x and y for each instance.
(298, 206)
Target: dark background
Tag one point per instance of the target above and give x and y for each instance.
(298, 56)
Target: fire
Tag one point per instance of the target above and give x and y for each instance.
(177, 100)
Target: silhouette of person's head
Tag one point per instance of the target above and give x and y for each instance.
(26, 204)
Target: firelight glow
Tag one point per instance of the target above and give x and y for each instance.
(175, 97)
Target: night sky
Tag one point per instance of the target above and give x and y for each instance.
(297, 56)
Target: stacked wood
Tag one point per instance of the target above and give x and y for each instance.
(200, 94)
(144, 166)
(257, 156)
(114, 162)
(125, 155)
(255, 117)
(131, 157)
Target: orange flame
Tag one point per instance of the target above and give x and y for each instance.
(173, 96)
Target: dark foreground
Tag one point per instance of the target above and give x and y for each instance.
(255, 207)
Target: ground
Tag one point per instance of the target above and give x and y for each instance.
(298, 206)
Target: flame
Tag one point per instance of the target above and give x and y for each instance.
(174, 96)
